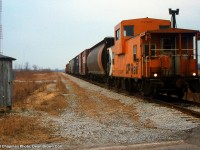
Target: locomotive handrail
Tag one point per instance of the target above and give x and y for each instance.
(178, 55)
(160, 56)
(146, 64)
(173, 55)
(172, 49)
(182, 55)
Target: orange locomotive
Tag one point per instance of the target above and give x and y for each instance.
(153, 56)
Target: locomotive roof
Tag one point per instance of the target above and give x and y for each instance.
(173, 30)
(141, 19)
(147, 18)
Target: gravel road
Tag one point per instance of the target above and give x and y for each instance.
(96, 117)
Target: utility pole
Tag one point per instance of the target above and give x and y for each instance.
(1, 31)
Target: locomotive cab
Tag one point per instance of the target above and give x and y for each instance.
(152, 57)
(170, 60)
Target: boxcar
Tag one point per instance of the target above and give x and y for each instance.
(72, 66)
(83, 69)
(67, 68)
(76, 65)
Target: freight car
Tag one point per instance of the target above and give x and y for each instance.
(67, 68)
(98, 58)
(83, 69)
(147, 55)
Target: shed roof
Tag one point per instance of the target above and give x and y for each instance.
(3, 57)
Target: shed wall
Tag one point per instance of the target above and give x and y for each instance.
(6, 78)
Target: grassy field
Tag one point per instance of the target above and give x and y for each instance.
(31, 99)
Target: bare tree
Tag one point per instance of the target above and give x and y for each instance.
(35, 67)
(18, 67)
(26, 66)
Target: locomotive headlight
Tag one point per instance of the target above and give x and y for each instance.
(155, 75)
(194, 74)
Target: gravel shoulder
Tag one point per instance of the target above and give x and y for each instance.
(97, 117)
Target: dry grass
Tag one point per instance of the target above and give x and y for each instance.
(51, 102)
(22, 90)
(53, 106)
(32, 94)
(61, 86)
(29, 94)
(34, 75)
(17, 129)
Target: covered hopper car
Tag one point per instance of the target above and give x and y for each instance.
(98, 58)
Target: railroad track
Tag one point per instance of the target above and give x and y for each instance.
(185, 106)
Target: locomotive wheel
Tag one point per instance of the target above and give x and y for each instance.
(180, 93)
(117, 83)
(182, 88)
(139, 87)
(155, 91)
(147, 89)
(169, 94)
(127, 84)
(109, 82)
(130, 86)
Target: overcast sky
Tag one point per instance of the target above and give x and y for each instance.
(48, 33)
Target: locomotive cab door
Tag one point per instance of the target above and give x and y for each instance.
(169, 49)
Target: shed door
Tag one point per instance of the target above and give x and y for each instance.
(5, 83)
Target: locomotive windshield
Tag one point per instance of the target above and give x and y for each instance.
(128, 30)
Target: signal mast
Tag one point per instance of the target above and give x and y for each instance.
(173, 19)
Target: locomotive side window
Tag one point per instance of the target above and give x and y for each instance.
(117, 33)
(146, 50)
(153, 50)
(167, 43)
(135, 53)
(128, 30)
(164, 27)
